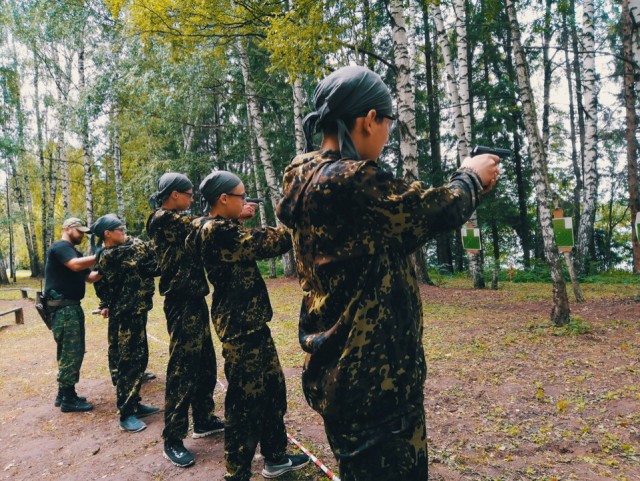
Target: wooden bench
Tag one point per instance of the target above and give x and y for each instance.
(26, 290)
(17, 311)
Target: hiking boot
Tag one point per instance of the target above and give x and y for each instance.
(71, 402)
(290, 462)
(216, 425)
(132, 424)
(143, 410)
(175, 452)
(58, 400)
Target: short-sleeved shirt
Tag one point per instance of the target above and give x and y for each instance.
(69, 284)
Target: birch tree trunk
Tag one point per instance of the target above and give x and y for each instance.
(443, 245)
(4, 280)
(631, 129)
(255, 121)
(560, 311)
(462, 121)
(12, 270)
(406, 113)
(590, 192)
(577, 168)
(546, 34)
(84, 135)
(298, 108)
(43, 168)
(117, 171)
(63, 82)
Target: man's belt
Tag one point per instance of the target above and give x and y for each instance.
(62, 303)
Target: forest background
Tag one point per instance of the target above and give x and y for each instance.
(101, 97)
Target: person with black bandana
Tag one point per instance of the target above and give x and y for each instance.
(354, 227)
(192, 368)
(256, 399)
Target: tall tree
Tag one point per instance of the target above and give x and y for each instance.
(632, 126)
(560, 311)
(590, 192)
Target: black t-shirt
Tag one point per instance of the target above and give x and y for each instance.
(59, 277)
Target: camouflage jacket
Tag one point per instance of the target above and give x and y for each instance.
(127, 283)
(180, 274)
(354, 226)
(240, 303)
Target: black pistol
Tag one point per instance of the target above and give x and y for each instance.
(482, 149)
(255, 200)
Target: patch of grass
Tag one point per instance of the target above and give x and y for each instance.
(575, 327)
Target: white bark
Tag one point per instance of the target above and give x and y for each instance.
(405, 90)
(298, 108)
(590, 192)
(255, 119)
(560, 312)
(84, 135)
(117, 168)
(463, 68)
(452, 87)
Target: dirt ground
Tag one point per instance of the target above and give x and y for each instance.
(507, 397)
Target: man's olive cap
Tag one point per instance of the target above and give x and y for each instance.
(77, 223)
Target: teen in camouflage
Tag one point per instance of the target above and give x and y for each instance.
(354, 227)
(256, 401)
(128, 266)
(191, 371)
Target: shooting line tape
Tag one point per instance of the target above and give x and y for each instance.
(318, 463)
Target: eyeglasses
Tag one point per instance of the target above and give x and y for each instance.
(190, 194)
(122, 229)
(394, 122)
(243, 196)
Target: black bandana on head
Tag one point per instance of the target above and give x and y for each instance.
(166, 184)
(346, 93)
(104, 223)
(215, 184)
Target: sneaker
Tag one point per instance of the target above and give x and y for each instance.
(286, 464)
(132, 424)
(143, 410)
(148, 376)
(216, 425)
(58, 400)
(175, 452)
(71, 402)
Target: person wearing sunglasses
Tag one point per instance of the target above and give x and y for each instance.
(192, 367)
(354, 226)
(127, 266)
(256, 398)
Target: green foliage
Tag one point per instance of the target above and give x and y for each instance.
(575, 327)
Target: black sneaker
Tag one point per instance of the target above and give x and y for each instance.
(148, 376)
(71, 402)
(58, 400)
(216, 425)
(132, 424)
(143, 410)
(291, 462)
(175, 452)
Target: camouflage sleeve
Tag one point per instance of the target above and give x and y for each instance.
(235, 243)
(102, 286)
(411, 213)
(148, 263)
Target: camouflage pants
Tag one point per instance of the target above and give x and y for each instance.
(398, 456)
(68, 332)
(192, 370)
(128, 358)
(255, 403)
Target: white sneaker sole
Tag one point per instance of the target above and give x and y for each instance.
(177, 464)
(130, 431)
(208, 433)
(268, 475)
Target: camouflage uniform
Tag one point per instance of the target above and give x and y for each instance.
(354, 226)
(191, 371)
(69, 334)
(256, 398)
(126, 289)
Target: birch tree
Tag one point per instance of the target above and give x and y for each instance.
(560, 311)
(590, 192)
(255, 120)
